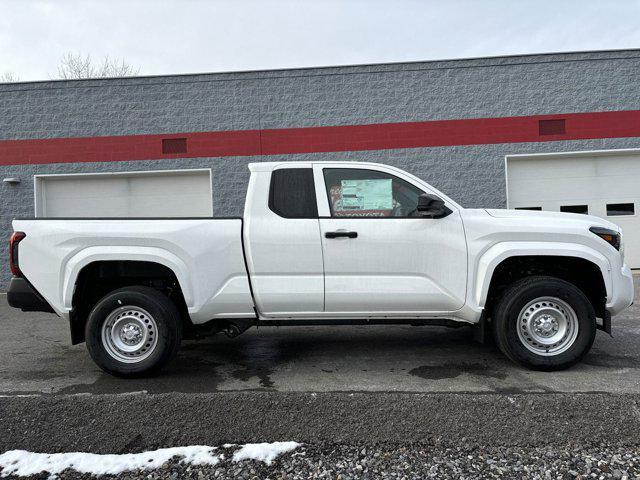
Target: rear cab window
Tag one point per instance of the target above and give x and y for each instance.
(292, 193)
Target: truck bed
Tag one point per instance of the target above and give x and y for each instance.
(206, 255)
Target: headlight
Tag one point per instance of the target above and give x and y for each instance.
(612, 237)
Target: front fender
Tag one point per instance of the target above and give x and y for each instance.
(72, 267)
(492, 257)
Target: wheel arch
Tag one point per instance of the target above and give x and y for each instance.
(101, 276)
(73, 266)
(582, 266)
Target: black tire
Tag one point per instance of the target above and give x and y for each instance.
(506, 321)
(166, 335)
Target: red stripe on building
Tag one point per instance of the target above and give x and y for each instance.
(478, 131)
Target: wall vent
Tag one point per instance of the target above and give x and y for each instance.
(551, 127)
(174, 145)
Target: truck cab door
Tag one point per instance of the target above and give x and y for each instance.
(381, 257)
(281, 235)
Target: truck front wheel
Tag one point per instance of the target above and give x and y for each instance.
(544, 323)
(133, 331)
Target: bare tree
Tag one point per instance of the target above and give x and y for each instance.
(75, 65)
(9, 77)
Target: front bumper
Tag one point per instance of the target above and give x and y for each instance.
(22, 295)
(622, 290)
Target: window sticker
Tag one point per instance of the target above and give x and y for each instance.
(367, 194)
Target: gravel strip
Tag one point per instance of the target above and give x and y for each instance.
(133, 423)
(411, 462)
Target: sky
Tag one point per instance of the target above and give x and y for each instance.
(188, 36)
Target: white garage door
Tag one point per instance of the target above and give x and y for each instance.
(176, 193)
(604, 184)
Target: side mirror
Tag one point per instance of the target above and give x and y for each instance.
(432, 206)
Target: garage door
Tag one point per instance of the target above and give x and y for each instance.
(181, 193)
(604, 184)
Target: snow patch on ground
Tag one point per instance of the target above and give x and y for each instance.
(21, 462)
(24, 463)
(264, 452)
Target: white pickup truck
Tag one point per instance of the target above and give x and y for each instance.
(325, 243)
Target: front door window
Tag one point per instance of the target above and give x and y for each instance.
(359, 192)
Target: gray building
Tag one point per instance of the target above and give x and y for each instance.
(489, 132)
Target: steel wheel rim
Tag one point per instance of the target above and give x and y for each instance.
(547, 326)
(129, 334)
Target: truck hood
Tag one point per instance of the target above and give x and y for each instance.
(496, 226)
(553, 217)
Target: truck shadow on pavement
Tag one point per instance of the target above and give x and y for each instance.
(315, 356)
(340, 359)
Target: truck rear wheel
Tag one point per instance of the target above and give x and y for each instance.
(133, 331)
(544, 323)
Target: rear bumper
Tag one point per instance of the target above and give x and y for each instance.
(22, 295)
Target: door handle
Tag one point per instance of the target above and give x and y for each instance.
(340, 233)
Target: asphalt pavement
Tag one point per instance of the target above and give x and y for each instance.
(361, 385)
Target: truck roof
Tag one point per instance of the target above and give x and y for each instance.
(269, 166)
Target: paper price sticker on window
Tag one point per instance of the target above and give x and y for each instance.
(367, 194)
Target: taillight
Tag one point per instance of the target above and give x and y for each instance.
(13, 252)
